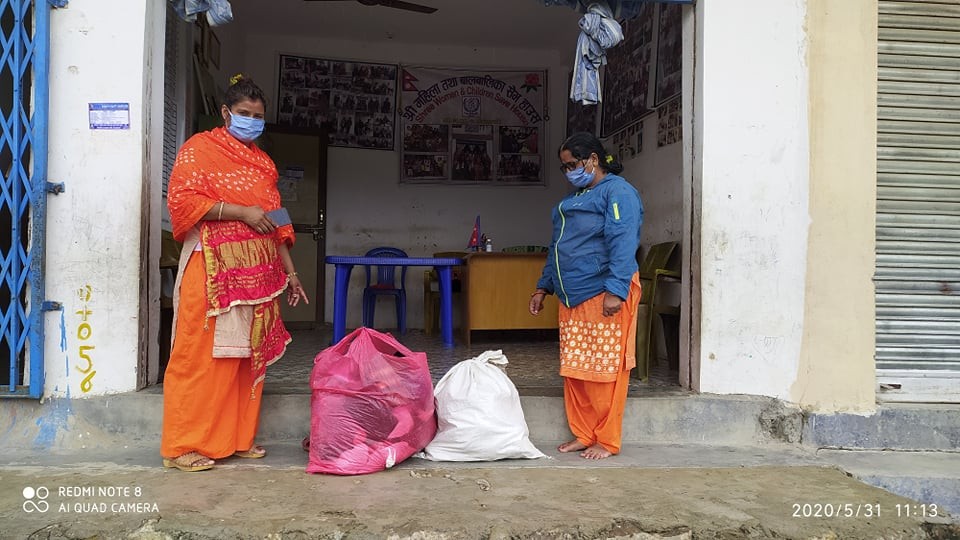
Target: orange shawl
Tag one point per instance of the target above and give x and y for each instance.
(242, 266)
(214, 166)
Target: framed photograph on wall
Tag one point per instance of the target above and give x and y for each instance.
(669, 123)
(626, 78)
(669, 53)
(461, 126)
(356, 101)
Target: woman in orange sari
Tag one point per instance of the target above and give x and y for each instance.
(592, 268)
(234, 266)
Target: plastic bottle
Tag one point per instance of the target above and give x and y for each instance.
(488, 247)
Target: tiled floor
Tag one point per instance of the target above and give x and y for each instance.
(532, 360)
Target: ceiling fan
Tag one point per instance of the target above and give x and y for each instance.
(398, 4)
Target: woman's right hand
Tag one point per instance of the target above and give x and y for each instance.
(536, 302)
(257, 219)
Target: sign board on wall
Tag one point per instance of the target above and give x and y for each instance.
(109, 115)
(463, 126)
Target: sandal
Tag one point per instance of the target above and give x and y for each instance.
(256, 452)
(189, 462)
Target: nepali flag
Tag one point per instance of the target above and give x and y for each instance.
(407, 82)
(475, 236)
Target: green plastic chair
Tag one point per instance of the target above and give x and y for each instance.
(661, 262)
(525, 249)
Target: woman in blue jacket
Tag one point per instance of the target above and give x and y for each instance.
(592, 268)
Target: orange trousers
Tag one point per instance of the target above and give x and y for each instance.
(207, 406)
(595, 408)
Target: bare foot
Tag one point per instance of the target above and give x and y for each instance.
(596, 452)
(572, 446)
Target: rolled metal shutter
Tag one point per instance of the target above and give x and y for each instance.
(918, 188)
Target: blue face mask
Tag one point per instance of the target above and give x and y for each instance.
(245, 128)
(580, 178)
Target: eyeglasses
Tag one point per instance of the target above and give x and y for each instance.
(570, 166)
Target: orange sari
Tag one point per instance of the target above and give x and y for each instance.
(596, 356)
(212, 397)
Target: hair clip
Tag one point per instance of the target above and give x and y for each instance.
(609, 158)
(236, 78)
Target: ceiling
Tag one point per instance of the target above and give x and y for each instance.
(481, 23)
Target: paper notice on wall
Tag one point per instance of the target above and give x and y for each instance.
(289, 182)
(109, 115)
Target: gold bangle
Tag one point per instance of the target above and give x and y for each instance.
(291, 274)
(220, 213)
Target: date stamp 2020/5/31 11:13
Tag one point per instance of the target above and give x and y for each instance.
(863, 510)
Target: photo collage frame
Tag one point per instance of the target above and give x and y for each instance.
(462, 126)
(645, 76)
(355, 101)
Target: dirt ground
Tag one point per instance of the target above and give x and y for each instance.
(106, 501)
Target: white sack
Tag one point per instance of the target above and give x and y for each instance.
(479, 417)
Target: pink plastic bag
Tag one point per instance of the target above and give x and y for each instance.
(371, 405)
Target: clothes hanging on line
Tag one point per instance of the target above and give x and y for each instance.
(218, 12)
(599, 32)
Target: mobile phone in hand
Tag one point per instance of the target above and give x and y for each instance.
(280, 217)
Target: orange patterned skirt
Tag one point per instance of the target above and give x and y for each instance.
(597, 348)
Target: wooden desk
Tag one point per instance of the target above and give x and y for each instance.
(496, 293)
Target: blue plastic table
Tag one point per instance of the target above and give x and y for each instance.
(344, 265)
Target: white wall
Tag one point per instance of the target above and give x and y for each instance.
(657, 173)
(752, 146)
(368, 207)
(93, 229)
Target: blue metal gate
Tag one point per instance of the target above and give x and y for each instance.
(24, 92)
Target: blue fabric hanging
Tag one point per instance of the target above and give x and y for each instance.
(598, 32)
(218, 11)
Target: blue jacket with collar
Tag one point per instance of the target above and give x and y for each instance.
(596, 233)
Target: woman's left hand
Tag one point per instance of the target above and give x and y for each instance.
(611, 304)
(295, 292)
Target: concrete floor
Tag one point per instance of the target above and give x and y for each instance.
(679, 493)
(692, 466)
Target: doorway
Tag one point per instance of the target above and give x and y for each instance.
(373, 207)
(301, 159)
